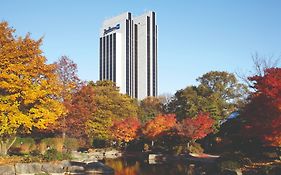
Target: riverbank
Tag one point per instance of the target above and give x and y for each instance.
(56, 168)
(110, 160)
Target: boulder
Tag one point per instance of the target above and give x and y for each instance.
(75, 169)
(28, 168)
(7, 170)
(53, 168)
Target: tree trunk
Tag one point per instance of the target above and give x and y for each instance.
(63, 129)
(5, 145)
(188, 147)
(152, 143)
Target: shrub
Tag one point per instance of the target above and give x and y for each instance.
(196, 148)
(35, 153)
(42, 147)
(99, 143)
(54, 143)
(71, 144)
(29, 159)
(179, 149)
(23, 146)
(53, 154)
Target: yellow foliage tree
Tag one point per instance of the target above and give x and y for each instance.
(110, 105)
(29, 88)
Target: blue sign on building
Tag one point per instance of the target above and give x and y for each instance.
(110, 29)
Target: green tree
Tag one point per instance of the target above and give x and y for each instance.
(29, 88)
(150, 107)
(219, 94)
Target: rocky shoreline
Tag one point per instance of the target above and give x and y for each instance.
(81, 163)
(56, 168)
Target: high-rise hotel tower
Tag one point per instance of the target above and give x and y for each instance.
(128, 54)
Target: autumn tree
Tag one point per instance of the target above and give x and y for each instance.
(150, 107)
(68, 78)
(260, 64)
(195, 128)
(29, 88)
(218, 93)
(263, 113)
(159, 126)
(70, 82)
(80, 111)
(126, 130)
(110, 105)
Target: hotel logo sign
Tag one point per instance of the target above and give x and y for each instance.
(110, 29)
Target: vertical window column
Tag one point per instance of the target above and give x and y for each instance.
(148, 55)
(127, 59)
(153, 56)
(107, 57)
(136, 61)
(101, 61)
(114, 57)
(103, 58)
(110, 56)
(156, 60)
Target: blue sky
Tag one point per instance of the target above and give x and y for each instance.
(194, 36)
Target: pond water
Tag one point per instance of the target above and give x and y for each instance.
(134, 166)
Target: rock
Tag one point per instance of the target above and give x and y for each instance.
(28, 168)
(83, 157)
(53, 168)
(89, 167)
(75, 169)
(94, 156)
(7, 170)
(65, 163)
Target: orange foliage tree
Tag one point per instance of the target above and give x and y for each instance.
(158, 126)
(29, 88)
(81, 110)
(126, 130)
(263, 113)
(195, 128)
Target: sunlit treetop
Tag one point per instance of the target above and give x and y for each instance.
(29, 88)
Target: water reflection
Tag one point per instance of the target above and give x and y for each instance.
(132, 166)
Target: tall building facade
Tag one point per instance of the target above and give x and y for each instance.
(128, 54)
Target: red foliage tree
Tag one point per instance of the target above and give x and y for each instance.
(159, 125)
(263, 113)
(126, 130)
(80, 109)
(195, 128)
